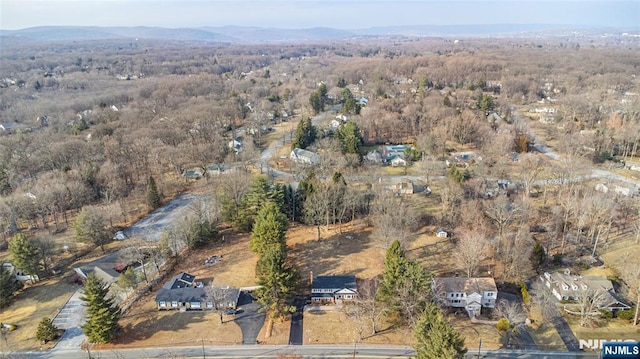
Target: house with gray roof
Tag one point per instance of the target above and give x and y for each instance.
(567, 286)
(183, 293)
(472, 294)
(301, 156)
(107, 268)
(333, 288)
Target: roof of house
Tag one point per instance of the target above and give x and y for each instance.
(300, 153)
(466, 285)
(180, 280)
(106, 268)
(600, 284)
(334, 282)
(185, 295)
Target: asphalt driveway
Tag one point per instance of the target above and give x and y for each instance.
(250, 319)
(295, 332)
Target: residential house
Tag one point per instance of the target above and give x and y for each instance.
(183, 293)
(398, 161)
(301, 156)
(107, 268)
(215, 169)
(374, 157)
(193, 173)
(17, 274)
(566, 286)
(401, 186)
(333, 288)
(236, 144)
(472, 294)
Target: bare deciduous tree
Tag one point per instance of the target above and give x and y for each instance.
(542, 297)
(472, 248)
(220, 298)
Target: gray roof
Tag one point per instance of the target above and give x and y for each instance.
(181, 280)
(184, 295)
(334, 282)
(466, 285)
(104, 267)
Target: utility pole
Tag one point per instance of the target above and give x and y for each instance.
(635, 318)
(479, 347)
(204, 356)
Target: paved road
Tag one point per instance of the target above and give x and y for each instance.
(150, 228)
(297, 322)
(306, 351)
(250, 319)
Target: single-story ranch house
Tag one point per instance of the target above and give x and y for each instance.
(182, 292)
(333, 288)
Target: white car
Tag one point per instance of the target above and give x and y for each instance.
(119, 236)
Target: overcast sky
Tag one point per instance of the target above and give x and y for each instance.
(342, 14)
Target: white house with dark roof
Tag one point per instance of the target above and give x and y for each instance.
(472, 294)
(333, 288)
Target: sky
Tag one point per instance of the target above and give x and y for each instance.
(340, 14)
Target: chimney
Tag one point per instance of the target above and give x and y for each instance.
(311, 277)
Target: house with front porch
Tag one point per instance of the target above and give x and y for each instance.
(472, 294)
(333, 289)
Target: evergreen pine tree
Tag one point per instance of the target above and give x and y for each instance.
(7, 286)
(102, 314)
(394, 270)
(46, 331)
(268, 230)
(277, 281)
(24, 254)
(153, 196)
(538, 255)
(435, 337)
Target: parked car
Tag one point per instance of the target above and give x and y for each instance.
(119, 236)
(231, 311)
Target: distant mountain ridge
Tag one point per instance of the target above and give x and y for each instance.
(247, 34)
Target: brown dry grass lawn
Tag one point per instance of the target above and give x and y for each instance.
(327, 327)
(544, 333)
(33, 303)
(145, 326)
(605, 329)
(350, 252)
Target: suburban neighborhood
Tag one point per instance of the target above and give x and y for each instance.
(355, 196)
